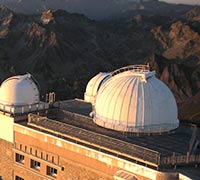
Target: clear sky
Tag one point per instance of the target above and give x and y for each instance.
(183, 1)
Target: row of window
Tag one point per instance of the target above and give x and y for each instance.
(35, 165)
(35, 153)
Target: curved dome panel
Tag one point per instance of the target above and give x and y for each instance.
(19, 90)
(136, 102)
(94, 85)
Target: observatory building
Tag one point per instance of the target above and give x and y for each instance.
(19, 90)
(126, 128)
(134, 100)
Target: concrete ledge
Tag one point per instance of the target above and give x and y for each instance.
(183, 177)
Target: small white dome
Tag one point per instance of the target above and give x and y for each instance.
(93, 86)
(19, 90)
(135, 101)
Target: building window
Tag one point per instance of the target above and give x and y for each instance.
(19, 158)
(18, 178)
(51, 171)
(35, 164)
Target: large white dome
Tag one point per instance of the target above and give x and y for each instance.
(135, 101)
(93, 86)
(19, 90)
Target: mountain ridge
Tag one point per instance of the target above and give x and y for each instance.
(95, 9)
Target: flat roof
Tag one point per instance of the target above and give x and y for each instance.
(177, 141)
(70, 120)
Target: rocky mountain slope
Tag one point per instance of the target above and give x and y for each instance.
(68, 49)
(179, 59)
(63, 51)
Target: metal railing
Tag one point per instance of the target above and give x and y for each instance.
(101, 142)
(21, 109)
(135, 68)
(180, 160)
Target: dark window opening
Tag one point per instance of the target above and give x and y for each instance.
(19, 158)
(35, 164)
(18, 178)
(52, 171)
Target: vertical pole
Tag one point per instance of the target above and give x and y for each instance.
(187, 158)
(158, 163)
(173, 158)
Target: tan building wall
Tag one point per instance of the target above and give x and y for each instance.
(6, 127)
(70, 160)
(52, 152)
(73, 160)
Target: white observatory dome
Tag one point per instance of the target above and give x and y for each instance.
(19, 90)
(134, 100)
(93, 86)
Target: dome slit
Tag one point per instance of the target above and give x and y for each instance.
(143, 103)
(150, 89)
(124, 96)
(129, 105)
(137, 103)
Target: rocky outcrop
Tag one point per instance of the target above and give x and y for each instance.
(183, 40)
(193, 14)
(189, 109)
(47, 17)
(4, 12)
(160, 37)
(6, 17)
(180, 41)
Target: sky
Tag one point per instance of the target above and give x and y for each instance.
(183, 1)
